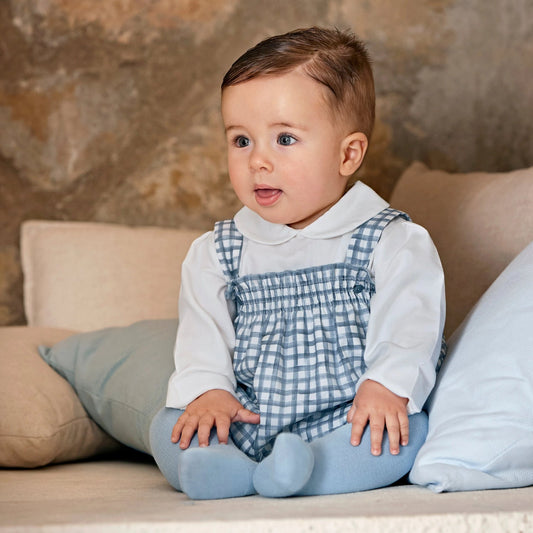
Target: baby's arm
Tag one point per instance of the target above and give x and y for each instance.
(213, 408)
(381, 409)
(203, 382)
(403, 337)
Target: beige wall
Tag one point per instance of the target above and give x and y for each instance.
(109, 109)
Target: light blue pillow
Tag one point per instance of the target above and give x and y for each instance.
(481, 411)
(120, 375)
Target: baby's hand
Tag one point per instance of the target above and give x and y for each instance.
(213, 408)
(377, 406)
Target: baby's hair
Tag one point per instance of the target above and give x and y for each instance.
(336, 59)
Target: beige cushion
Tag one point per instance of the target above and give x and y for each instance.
(86, 276)
(41, 419)
(479, 222)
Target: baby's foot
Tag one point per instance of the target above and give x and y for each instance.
(217, 471)
(287, 469)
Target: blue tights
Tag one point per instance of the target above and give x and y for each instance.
(328, 465)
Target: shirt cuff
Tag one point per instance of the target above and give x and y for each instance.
(416, 384)
(186, 387)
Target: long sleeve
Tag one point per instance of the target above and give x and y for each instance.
(204, 345)
(407, 313)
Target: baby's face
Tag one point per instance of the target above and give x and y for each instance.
(284, 147)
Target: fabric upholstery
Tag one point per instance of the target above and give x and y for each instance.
(480, 416)
(42, 420)
(86, 276)
(479, 222)
(120, 375)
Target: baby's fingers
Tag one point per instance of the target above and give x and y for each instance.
(404, 429)
(205, 425)
(359, 421)
(398, 432)
(223, 425)
(394, 434)
(188, 430)
(377, 426)
(246, 416)
(176, 430)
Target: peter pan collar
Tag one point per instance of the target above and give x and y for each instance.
(358, 205)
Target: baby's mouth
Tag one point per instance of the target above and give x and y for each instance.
(266, 196)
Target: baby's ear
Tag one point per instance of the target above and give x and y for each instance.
(353, 150)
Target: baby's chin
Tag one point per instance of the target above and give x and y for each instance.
(274, 218)
(293, 222)
(277, 213)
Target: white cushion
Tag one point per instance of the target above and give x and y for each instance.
(86, 276)
(481, 412)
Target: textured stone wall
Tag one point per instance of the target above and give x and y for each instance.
(109, 109)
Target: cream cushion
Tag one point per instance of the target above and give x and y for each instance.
(41, 418)
(479, 222)
(86, 276)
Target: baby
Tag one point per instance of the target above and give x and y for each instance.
(311, 323)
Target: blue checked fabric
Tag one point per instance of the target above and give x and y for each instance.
(300, 338)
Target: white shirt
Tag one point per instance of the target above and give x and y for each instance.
(407, 310)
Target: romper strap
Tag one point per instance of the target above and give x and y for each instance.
(228, 245)
(366, 236)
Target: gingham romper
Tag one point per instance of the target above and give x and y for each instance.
(299, 338)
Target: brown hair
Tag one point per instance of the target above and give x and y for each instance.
(334, 58)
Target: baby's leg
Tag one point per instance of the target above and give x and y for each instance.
(287, 469)
(341, 467)
(217, 471)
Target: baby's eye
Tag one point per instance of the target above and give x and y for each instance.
(241, 141)
(286, 139)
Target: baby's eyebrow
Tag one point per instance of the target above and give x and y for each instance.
(287, 125)
(282, 124)
(233, 127)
